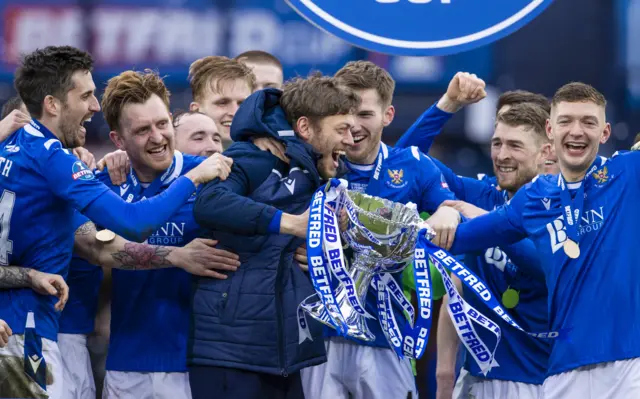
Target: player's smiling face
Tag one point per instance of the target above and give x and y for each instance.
(577, 130)
(79, 106)
(331, 137)
(221, 105)
(516, 154)
(371, 118)
(147, 135)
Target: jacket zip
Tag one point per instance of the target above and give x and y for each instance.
(281, 340)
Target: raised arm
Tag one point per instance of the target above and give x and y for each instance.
(463, 89)
(70, 179)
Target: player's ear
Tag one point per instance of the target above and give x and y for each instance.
(545, 152)
(388, 115)
(606, 133)
(51, 105)
(194, 107)
(116, 140)
(303, 128)
(549, 130)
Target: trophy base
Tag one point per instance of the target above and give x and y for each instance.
(356, 324)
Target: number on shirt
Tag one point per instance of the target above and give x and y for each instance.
(7, 202)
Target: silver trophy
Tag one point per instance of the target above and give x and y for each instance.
(383, 235)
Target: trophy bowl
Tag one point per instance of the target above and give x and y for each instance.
(382, 235)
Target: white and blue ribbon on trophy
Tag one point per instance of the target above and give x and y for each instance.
(325, 257)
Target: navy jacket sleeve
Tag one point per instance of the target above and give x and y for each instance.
(499, 228)
(224, 205)
(425, 129)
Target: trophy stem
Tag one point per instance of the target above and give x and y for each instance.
(361, 275)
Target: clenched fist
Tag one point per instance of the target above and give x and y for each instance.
(216, 166)
(464, 89)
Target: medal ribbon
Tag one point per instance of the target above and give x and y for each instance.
(572, 208)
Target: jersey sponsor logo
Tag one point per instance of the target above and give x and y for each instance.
(80, 171)
(397, 178)
(398, 26)
(591, 220)
(12, 148)
(170, 234)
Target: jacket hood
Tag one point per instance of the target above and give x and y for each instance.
(261, 115)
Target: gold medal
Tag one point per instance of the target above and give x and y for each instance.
(571, 248)
(105, 236)
(510, 298)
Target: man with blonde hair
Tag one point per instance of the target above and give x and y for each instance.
(219, 85)
(267, 68)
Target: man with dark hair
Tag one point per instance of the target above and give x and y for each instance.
(244, 337)
(579, 221)
(13, 104)
(266, 67)
(14, 116)
(43, 185)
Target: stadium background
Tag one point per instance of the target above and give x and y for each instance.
(594, 41)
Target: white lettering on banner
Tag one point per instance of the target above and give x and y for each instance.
(29, 28)
(121, 35)
(464, 274)
(175, 35)
(315, 232)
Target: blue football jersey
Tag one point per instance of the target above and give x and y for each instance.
(404, 175)
(595, 295)
(521, 358)
(41, 185)
(150, 310)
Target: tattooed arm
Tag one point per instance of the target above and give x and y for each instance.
(197, 257)
(42, 283)
(15, 277)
